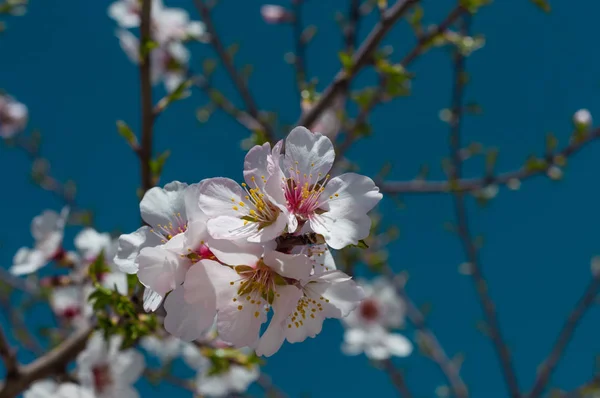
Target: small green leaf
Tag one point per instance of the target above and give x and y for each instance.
(542, 5)
(346, 60)
(156, 165)
(127, 133)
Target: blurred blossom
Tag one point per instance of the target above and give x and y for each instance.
(13, 116)
(582, 118)
(329, 123)
(48, 230)
(107, 370)
(51, 389)
(222, 380)
(165, 349)
(367, 327)
(275, 14)
(555, 173)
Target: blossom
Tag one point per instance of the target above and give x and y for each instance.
(69, 303)
(333, 207)
(165, 349)
(219, 382)
(13, 116)
(48, 230)
(582, 118)
(368, 326)
(107, 370)
(329, 123)
(331, 294)
(167, 24)
(168, 62)
(256, 210)
(275, 14)
(51, 389)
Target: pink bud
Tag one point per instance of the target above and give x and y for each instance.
(275, 14)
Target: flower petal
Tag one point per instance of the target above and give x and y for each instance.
(161, 206)
(188, 321)
(351, 193)
(398, 345)
(160, 269)
(256, 163)
(308, 153)
(234, 252)
(152, 300)
(341, 230)
(218, 196)
(129, 247)
(295, 266)
(228, 227)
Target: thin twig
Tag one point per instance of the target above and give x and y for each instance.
(9, 357)
(397, 378)
(300, 46)
(460, 209)
(548, 366)
(591, 386)
(145, 152)
(227, 61)
(359, 60)
(269, 388)
(436, 351)
(52, 362)
(475, 184)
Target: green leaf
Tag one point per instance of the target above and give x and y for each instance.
(98, 267)
(233, 49)
(127, 133)
(542, 5)
(346, 60)
(156, 165)
(209, 66)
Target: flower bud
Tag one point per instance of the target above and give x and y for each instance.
(275, 14)
(582, 119)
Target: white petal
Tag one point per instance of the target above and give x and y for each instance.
(130, 45)
(208, 281)
(193, 357)
(41, 389)
(341, 230)
(127, 366)
(230, 227)
(121, 12)
(27, 261)
(313, 153)
(355, 193)
(187, 321)
(195, 234)
(241, 377)
(196, 30)
(256, 163)
(343, 293)
(295, 266)
(72, 390)
(219, 195)
(234, 252)
(160, 206)
(283, 306)
(90, 243)
(272, 231)
(129, 247)
(398, 345)
(160, 269)
(152, 300)
(192, 209)
(238, 323)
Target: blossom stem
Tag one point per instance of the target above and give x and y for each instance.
(549, 364)
(145, 150)
(464, 234)
(359, 60)
(397, 378)
(227, 61)
(436, 352)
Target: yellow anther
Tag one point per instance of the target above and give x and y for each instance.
(242, 204)
(231, 283)
(336, 195)
(234, 299)
(256, 314)
(235, 208)
(240, 307)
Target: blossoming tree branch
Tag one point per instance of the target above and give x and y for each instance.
(225, 271)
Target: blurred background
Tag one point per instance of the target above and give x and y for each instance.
(65, 63)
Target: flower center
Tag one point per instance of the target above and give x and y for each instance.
(260, 209)
(102, 377)
(256, 287)
(70, 313)
(303, 196)
(306, 307)
(202, 252)
(167, 232)
(369, 310)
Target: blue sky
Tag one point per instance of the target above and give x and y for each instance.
(63, 60)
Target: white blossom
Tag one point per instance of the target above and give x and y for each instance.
(48, 230)
(51, 389)
(582, 118)
(165, 349)
(107, 370)
(233, 378)
(13, 116)
(275, 14)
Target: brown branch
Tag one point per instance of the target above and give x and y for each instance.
(269, 388)
(52, 362)
(145, 152)
(548, 366)
(436, 351)
(359, 60)
(475, 184)
(397, 378)
(300, 46)
(460, 210)
(9, 357)
(227, 61)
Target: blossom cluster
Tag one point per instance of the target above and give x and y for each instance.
(170, 29)
(218, 249)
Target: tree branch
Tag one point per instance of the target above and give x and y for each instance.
(227, 61)
(548, 366)
(359, 60)
(460, 210)
(8, 356)
(397, 378)
(437, 353)
(300, 46)
(54, 361)
(145, 151)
